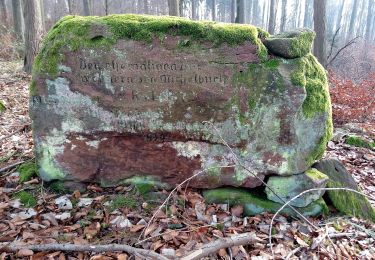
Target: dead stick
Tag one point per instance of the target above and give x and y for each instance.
(11, 166)
(148, 254)
(213, 247)
(15, 132)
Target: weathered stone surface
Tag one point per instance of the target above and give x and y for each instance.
(291, 44)
(345, 201)
(287, 187)
(127, 96)
(255, 203)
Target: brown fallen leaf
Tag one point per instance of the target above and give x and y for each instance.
(136, 228)
(122, 257)
(24, 252)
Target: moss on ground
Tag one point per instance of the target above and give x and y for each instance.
(359, 142)
(26, 198)
(27, 171)
(57, 187)
(73, 32)
(2, 106)
(350, 203)
(314, 174)
(121, 201)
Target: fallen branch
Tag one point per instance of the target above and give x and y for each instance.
(213, 247)
(145, 254)
(11, 166)
(15, 132)
(297, 196)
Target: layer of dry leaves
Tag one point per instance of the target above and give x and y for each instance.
(184, 225)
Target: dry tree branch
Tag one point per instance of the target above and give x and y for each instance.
(212, 247)
(145, 254)
(263, 182)
(297, 196)
(333, 42)
(352, 41)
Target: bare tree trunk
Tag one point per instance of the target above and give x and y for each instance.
(106, 7)
(174, 7)
(272, 22)
(283, 15)
(70, 6)
(18, 19)
(33, 31)
(353, 18)
(213, 10)
(41, 5)
(86, 7)
(339, 15)
(369, 18)
(307, 21)
(194, 9)
(3, 12)
(240, 18)
(320, 29)
(233, 11)
(145, 6)
(255, 14)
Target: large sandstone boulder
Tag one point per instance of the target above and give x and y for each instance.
(128, 97)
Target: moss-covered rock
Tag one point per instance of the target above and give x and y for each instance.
(255, 203)
(287, 187)
(346, 202)
(291, 44)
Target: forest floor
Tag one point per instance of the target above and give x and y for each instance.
(30, 213)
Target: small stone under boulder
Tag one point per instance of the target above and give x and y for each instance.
(287, 187)
(254, 203)
(345, 201)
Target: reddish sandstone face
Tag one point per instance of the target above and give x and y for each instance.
(166, 111)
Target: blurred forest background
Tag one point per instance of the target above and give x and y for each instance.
(345, 42)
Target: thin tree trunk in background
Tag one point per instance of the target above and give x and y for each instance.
(264, 16)
(271, 22)
(339, 15)
(18, 19)
(194, 9)
(3, 13)
(353, 18)
(70, 7)
(240, 18)
(41, 8)
(86, 7)
(233, 11)
(174, 7)
(33, 31)
(370, 14)
(145, 6)
(213, 10)
(362, 17)
(283, 15)
(320, 30)
(307, 16)
(255, 14)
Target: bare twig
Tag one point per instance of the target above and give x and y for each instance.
(15, 132)
(146, 254)
(333, 43)
(352, 41)
(212, 247)
(297, 196)
(171, 193)
(11, 166)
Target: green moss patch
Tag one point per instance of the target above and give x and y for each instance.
(121, 201)
(26, 198)
(2, 107)
(359, 142)
(73, 32)
(301, 45)
(314, 174)
(27, 171)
